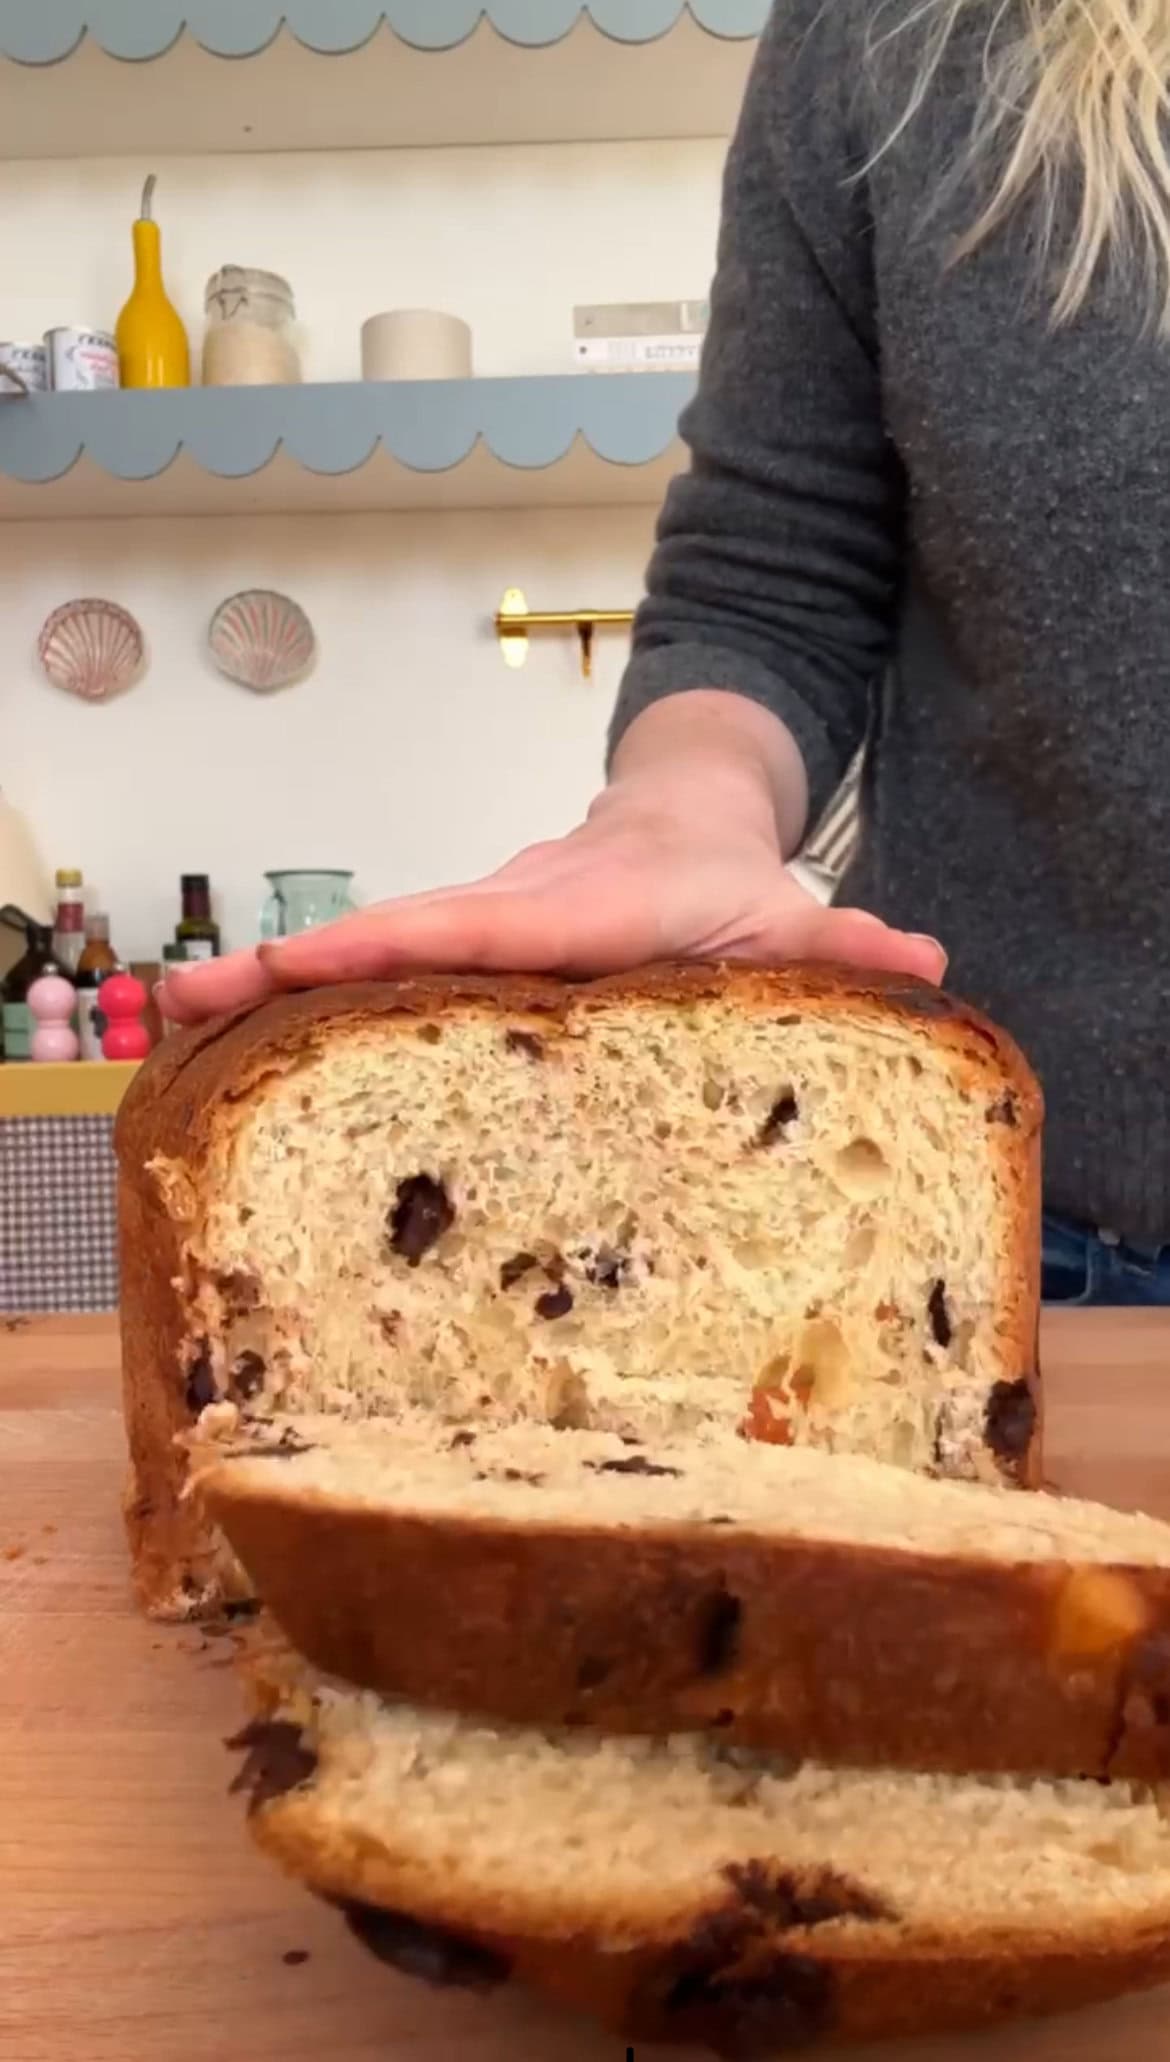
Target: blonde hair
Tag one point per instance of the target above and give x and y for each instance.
(1070, 120)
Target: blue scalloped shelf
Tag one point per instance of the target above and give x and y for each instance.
(571, 440)
(49, 30)
(97, 77)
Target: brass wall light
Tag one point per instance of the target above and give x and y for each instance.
(514, 620)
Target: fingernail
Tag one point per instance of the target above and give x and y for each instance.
(936, 945)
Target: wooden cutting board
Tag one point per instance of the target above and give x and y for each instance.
(136, 1922)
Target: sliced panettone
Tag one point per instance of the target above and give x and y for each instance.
(797, 1207)
(692, 1892)
(819, 1604)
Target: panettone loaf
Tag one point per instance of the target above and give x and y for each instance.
(813, 1603)
(688, 1891)
(800, 1206)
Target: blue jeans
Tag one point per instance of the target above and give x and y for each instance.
(1083, 1267)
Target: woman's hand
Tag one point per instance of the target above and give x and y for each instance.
(679, 863)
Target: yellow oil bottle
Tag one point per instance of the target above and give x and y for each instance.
(152, 342)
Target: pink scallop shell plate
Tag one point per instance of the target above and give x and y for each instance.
(92, 649)
(262, 640)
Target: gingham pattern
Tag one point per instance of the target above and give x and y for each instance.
(57, 1240)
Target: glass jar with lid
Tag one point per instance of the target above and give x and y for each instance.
(251, 338)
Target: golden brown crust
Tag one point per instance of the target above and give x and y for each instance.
(736, 1976)
(172, 1110)
(841, 1653)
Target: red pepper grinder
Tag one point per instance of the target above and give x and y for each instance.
(122, 1001)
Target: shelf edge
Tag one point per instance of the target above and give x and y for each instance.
(333, 429)
(52, 32)
(80, 1089)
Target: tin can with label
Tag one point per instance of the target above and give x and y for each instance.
(81, 360)
(24, 368)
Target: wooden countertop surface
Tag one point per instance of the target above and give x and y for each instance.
(136, 1922)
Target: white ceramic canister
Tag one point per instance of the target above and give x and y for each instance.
(81, 360)
(24, 369)
(415, 343)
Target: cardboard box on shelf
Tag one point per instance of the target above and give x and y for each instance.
(640, 336)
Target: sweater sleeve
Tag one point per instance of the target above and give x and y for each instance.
(777, 557)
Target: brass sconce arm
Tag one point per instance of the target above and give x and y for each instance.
(514, 620)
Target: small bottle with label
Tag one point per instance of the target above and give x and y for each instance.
(197, 931)
(97, 961)
(69, 922)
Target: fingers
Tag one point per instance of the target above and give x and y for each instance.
(803, 929)
(210, 988)
(469, 930)
(487, 927)
(861, 940)
(602, 920)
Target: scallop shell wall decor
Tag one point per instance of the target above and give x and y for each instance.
(262, 640)
(92, 649)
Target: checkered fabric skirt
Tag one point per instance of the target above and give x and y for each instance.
(58, 1249)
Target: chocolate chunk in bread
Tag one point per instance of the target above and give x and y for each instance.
(429, 1953)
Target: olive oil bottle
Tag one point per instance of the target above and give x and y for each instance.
(152, 342)
(197, 931)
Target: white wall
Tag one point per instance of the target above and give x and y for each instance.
(510, 239)
(411, 753)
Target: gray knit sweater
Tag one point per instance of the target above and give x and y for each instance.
(915, 511)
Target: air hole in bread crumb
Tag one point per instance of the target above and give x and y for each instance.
(779, 1120)
(861, 1168)
(859, 1246)
(515, 1269)
(430, 1034)
(247, 1376)
(634, 1464)
(201, 1389)
(567, 1399)
(608, 1267)
(526, 1043)
(821, 1371)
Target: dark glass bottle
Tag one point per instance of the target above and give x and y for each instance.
(197, 930)
(97, 961)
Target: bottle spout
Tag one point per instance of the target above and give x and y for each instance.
(147, 211)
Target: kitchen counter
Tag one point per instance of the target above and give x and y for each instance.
(137, 1924)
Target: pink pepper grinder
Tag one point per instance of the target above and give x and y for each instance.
(52, 1001)
(122, 1000)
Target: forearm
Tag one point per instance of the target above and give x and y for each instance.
(708, 749)
(779, 557)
